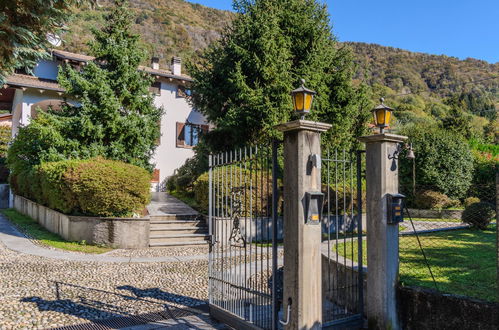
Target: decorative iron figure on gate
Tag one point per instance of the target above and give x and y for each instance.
(236, 238)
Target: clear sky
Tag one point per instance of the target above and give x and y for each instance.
(460, 28)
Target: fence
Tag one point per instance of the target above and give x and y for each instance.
(453, 251)
(244, 228)
(342, 272)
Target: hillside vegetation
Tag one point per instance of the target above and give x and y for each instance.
(462, 95)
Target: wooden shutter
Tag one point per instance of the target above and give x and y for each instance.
(180, 135)
(155, 175)
(205, 128)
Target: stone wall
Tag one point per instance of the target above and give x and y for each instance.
(427, 309)
(435, 214)
(112, 232)
(342, 274)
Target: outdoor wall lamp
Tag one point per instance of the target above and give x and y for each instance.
(382, 115)
(302, 99)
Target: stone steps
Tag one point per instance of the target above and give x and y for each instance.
(177, 230)
(156, 240)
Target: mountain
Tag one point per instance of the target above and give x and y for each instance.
(423, 87)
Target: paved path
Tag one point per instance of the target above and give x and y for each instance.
(14, 240)
(165, 204)
(43, 288)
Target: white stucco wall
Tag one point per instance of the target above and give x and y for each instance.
(168, 157)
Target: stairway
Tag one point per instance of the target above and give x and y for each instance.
(173, 223)
(177, 230)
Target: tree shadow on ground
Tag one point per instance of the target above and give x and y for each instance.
(106, 311)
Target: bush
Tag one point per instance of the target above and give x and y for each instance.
(201, 190)
(479, 215)
(471, 200)
(247, 181)
(429, 199)
(93, 187)
(5, 137)
(443, 160)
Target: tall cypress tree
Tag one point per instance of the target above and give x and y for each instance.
(243, 82)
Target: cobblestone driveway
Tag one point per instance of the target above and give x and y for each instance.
(40, 293)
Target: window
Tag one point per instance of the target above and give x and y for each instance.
(183, 91)
(188, 134)
(155, 88)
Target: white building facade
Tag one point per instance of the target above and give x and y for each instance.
(23, 95)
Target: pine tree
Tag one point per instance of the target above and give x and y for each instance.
(115, 116)
(243, 82)
(24, 25)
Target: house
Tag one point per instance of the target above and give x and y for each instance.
(23, 95)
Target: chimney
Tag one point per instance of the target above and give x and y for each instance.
(155, 63)
(176, 66)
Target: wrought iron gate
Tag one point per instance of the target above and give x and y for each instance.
(245, 273)
(245, 230)
(342, 267)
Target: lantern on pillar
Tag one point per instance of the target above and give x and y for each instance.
(382, 116)
(302, 99)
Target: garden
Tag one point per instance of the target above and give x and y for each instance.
(462, 261)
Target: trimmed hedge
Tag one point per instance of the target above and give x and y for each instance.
(93, 187)
(479, 215)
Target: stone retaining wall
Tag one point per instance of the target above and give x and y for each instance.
(427, 309)
(343, 275)
(112, 232)
(436, 214)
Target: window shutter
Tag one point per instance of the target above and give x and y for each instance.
(180, 135)
(155, 175)
(205, 128)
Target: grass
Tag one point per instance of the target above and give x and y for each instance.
(432, 219)
(34, 230)
(462, 261)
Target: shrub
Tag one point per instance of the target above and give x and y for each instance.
(443, 160)
(201, 190)
(429, 199)
(479, 215)
(471, 200)
(93, 187)
(247, 181)
(108, 188)
(5, 137)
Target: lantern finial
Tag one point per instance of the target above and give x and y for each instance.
(382, 115)
(302, 99)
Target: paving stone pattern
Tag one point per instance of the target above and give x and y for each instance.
(41, 293)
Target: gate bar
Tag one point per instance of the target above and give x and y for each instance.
(360, 266)
(275, 201)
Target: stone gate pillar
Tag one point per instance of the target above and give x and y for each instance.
(302, 239)
(382, 238)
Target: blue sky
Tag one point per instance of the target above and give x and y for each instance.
(460, 28)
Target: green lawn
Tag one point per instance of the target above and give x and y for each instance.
(30, 227)
(462, 261)
(406, 219)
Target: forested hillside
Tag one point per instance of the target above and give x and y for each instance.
(458, 94)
